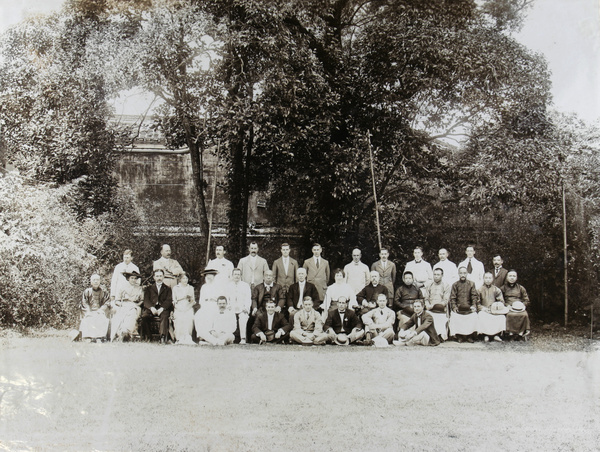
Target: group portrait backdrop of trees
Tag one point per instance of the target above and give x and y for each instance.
(299, 98)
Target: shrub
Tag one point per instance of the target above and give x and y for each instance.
(45, 259)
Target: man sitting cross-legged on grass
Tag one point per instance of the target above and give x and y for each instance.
(217, 326)
(270, 326)
(424, 332)
(379, 321)
(342, 325)
(308, 324)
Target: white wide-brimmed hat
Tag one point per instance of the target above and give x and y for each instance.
(499, 308)
(517, 306)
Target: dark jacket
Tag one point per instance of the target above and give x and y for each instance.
(262, 323)
(294, 294)
(334, 321)
(260, 296)
(426, 325)
(152, 299)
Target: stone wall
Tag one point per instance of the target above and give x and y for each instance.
(162, 182)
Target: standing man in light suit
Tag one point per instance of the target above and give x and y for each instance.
(284, 269)
(421, 270)
(223, 266)
(118, 280)
(387, 272)
(170, 267)
(317, 270)
(357, 273)
(475, 270)
(253, 266)
(239, 299)
(448, 267)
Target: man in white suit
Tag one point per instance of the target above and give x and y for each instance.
(223, 266)
(357, 273)
(317, 270)
(448, 267)
(253, 266)
(475, 270)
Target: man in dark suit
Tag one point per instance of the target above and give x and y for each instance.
(367, 297)
(265, 291)
(284, 269)
(499, 272)
(300, 289)
(424, 332)
(342, 325)
(270, 326)
(158, 301)
(317, 271)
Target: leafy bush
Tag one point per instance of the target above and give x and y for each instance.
(46, 255)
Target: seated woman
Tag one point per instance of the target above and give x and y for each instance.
(95, 308)
(210, 291)
(183, 314)
(515, 296)
(340, 288)
(127, 308)
(491, 324)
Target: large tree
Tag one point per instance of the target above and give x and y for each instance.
(307, 82)
(54, 113)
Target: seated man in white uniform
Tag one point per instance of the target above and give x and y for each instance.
(218, 326)
(239, 296)
(437, 296)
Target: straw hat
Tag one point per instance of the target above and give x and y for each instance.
(498, 308)
(517, 306)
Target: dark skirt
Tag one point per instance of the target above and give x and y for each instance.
(517, 322)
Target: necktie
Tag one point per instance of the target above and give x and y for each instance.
(317, 263)
(469, 267)
(497, 270)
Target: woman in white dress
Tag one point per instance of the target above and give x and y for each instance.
(209, 292)
(127, 307)
(340, 288)
(183, 312)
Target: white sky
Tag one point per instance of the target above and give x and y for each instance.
(567, 32)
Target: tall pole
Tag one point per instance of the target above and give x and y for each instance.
(566, 257)
(212, 203)
(374, 190)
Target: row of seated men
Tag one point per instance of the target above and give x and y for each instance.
(460, 310)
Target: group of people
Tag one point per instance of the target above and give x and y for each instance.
(286, 302)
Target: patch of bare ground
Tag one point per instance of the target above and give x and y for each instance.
(538, 395)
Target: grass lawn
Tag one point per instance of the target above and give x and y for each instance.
(59, 395)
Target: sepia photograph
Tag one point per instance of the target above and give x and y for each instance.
(299, 225)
